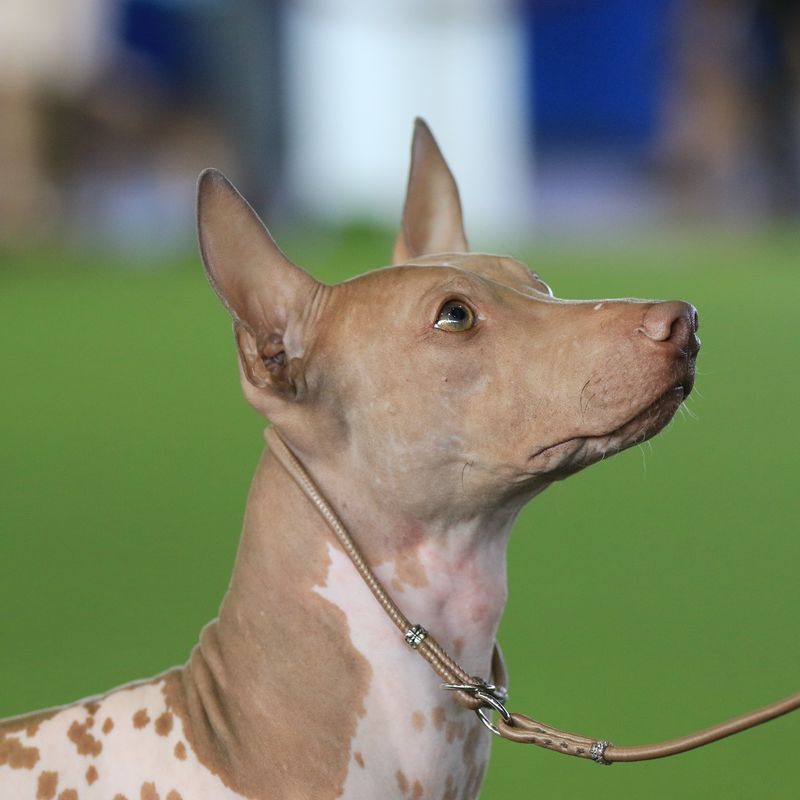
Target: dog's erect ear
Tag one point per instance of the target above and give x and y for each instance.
(432, 221)
(264, 292)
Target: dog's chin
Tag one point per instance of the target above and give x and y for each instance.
(568, 457)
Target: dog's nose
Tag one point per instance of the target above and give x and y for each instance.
(676, 322)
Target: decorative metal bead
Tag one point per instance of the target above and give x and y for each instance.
(598, 751)
(415, 636)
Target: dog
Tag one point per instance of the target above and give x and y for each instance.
(430, 400)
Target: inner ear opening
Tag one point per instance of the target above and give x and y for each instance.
(272, 352)
(274, 362)
(263, 357)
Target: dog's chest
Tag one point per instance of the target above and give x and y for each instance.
(419, 754)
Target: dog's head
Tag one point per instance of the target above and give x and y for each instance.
(450, 379)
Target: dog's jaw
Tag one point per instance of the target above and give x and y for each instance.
(560, 460)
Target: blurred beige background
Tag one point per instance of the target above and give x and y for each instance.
(594, 114)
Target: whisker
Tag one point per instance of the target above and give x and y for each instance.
(690, 413)
(641, 449)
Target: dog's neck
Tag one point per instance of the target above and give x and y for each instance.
(300, 639)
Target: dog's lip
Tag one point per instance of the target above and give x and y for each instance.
(675, 394)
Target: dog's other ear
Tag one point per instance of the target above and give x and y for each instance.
(432, 221)
(264, 292)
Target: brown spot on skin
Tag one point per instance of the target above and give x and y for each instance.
(437, 715)
(466, 793)
(455, 730)
(402, 781)
(164, 724)
(418, 720)
(149, 792)
(92, 708)
(471, 744)
(29, 723)
(416, 791)
(458, 646)
(16, 755)
(180, 751)
(86, 744)
(408, 569)
(120, 797)
(108, 726)
(68, 794)
(91, 775)
(473, 784)
(46, 786)
(479, 613)
(359, 759)
(173, 795)
(141, 718)
(450, 789)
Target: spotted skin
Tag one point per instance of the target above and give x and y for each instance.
(117, 762)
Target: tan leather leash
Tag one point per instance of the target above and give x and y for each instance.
(478, 695)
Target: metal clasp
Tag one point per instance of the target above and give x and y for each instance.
(491, 695)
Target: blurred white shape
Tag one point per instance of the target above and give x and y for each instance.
(360, 71)
(52, 42)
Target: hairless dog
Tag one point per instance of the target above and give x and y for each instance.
(430, 400)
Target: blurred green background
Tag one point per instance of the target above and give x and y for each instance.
(649, 596)
(642, 148)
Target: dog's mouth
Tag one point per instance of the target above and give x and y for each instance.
(570, 455)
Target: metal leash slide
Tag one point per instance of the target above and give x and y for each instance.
(484, 697)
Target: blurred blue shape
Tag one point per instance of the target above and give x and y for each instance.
(167, 35)
(598, 69)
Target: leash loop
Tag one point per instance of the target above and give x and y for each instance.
(490, 695)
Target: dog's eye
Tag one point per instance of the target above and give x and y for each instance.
(455, 316)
